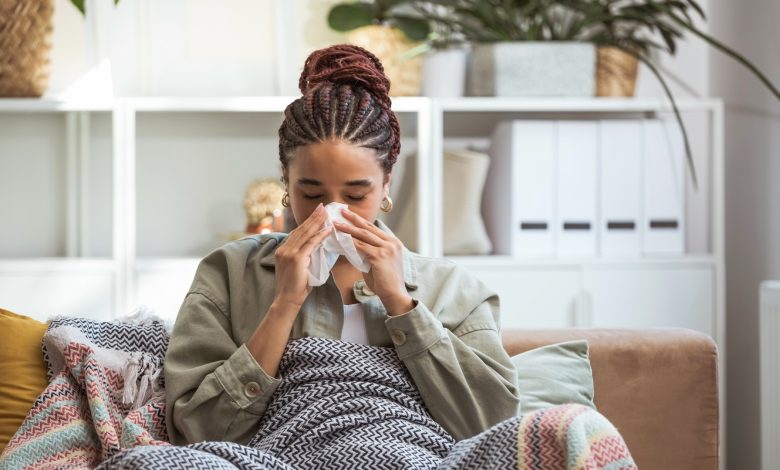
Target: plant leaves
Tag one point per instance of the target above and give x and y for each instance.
(668, 91)
(349, 16)
(80, 5)
(415, 29)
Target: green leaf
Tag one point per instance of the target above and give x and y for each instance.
(668, 91)
(698, 9)
(736, 56)
(349, 16)
(80, 5)
(390, 4)
(415, 29)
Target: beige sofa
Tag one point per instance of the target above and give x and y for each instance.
(657, 386)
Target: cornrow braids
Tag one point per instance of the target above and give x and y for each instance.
(345, 96)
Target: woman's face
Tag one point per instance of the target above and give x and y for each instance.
(336, 171)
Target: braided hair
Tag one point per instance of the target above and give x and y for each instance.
(345, 97)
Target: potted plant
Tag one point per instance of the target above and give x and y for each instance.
(624, 33)
(391, 29)
(521, 47)
(25, 40)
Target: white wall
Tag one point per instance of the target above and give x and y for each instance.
(752, 203)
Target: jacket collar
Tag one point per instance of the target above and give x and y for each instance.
(410, 263)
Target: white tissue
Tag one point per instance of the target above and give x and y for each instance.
(335, 244)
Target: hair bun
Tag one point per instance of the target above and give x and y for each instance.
(345, 64)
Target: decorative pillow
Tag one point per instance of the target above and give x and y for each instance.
(22, 370)
(554, 375)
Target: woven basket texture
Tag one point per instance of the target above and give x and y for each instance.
(616, 72)
(25, 46)
(389, 45)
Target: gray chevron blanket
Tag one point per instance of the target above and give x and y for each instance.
(350, 406)
(340, 405)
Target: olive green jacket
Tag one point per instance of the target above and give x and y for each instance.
(450, 343)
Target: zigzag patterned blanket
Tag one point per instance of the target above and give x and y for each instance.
(340, 405)
(104, 395)
(344, 405)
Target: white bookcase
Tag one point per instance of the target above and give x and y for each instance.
(110, 204)
(683, 290)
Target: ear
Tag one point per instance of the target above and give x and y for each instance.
(285, 177)
(386, 184)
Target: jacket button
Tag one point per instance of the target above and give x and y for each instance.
(398, 337)
(252, 389)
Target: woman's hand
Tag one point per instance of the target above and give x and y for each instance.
(293, 258)
(384, 253)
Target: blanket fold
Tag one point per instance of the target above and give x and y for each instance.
(339, 405)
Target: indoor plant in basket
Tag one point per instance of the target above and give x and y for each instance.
(391, 29)
(625, 31)
(25, 46)
(521, 47)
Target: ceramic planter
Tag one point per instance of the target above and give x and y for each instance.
(532, 68)
(444, 73)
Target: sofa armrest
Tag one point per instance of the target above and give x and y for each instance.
(659, 387)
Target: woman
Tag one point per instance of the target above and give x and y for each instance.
(338, 143)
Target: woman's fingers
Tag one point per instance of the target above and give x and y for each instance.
(310, 244)
(368, 250)
(309, 227)
(360, 222)
(360, 234)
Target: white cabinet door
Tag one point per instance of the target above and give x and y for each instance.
(163, 285)
(643, 297)
(45, 294)
(533, 297)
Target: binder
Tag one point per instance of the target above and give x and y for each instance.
(533, 173)
(519, 201)
(663, 227)
(620, 174)
(577, 191)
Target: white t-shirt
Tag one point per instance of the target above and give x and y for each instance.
(354, 325)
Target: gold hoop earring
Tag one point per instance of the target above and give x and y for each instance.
(387, 204)
(286, 199)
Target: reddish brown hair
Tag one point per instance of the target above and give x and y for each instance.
(345, 96)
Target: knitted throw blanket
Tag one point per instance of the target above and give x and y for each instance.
(351, 406)
(104, 395)
(340, 405)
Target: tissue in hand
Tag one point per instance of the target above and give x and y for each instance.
(336, 243)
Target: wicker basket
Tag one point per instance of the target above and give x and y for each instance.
(389, 45)
(615, 72)
(25, 46)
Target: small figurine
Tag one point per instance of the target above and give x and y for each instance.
(263, 206)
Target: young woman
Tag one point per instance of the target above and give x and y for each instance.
(338, 143)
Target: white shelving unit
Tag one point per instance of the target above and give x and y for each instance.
(576, 292)
(150, 257)
(170, 165)
(134, 179)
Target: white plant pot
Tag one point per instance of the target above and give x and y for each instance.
(444, 73)
(533, 68)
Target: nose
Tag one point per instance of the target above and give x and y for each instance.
(329, 199)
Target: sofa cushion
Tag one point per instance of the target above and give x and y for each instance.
(22, 370)
(553, 375)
